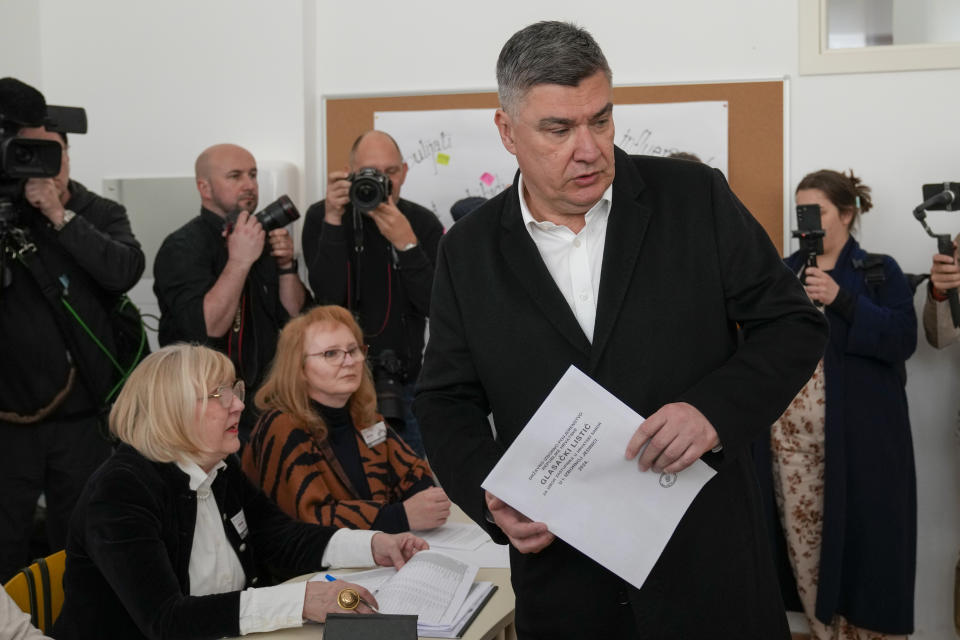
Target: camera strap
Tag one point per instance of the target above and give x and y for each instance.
(56, 291)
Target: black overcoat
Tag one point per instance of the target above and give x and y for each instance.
(684, 263)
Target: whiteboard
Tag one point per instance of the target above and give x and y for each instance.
(456, 153)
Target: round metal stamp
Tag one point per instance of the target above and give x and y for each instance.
(348, 599)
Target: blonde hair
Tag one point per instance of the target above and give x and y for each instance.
(285, 388)
(156, 411)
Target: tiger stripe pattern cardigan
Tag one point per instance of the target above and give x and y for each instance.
(300, 472)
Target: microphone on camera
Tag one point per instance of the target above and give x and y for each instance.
(944, 197)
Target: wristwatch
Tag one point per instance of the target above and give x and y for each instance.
(291, 269)
(407, 247)
(67, 217)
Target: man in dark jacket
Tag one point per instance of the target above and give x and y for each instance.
(637, 270)
(220, 280)
(50, 410)
(379, 264)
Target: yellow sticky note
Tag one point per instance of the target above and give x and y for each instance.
(443, 158)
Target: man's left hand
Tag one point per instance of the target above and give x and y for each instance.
(281, 247)
(676, 436)
(43, 194)
(393, 225)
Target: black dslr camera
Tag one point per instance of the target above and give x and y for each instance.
(369, 188)
(388, 375)
(277, 214)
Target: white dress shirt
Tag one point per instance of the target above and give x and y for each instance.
(574, 260)
(215, 568)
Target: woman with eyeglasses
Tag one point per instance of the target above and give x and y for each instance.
(320, 450)
(170, 540)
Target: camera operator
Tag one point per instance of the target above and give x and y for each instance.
(380, 265)
(221, 280)
(937, 319)
(50, 415)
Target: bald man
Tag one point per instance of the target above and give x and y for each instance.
(221, 280)
(380, 265)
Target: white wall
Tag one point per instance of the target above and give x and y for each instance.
(161, 81)
(20, 40)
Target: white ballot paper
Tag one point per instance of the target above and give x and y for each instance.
(464, 536)
(567, 469)
(437, 588)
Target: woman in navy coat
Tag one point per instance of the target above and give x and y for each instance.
(839, 465)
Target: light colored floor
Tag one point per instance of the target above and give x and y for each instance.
(799, 628)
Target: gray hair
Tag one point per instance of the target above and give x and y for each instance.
(548, 52)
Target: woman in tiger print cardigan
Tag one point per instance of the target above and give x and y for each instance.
(320, 450)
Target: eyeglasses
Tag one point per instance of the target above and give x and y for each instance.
(335, 357)
(225, 393)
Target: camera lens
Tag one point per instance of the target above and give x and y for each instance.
(366, 194)
(278, 214)
(368, 188)
(23, 155)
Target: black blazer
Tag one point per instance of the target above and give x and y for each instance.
(129, 546)
(684, 263)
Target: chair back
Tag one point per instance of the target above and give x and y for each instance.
(38, 590)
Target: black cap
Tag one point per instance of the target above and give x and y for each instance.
(22, 104)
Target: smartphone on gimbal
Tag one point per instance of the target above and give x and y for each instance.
(808, 220)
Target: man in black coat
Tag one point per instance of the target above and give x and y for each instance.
(221, 280)
(379, 264)
(638, 271)
(53, 388)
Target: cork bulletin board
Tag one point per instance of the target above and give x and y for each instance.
(755, 131)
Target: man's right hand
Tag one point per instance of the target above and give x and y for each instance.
(944, 274)
(427, 509)
(245, 242)
(338, 195)
(524, 534)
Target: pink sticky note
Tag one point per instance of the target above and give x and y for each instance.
(487, 179)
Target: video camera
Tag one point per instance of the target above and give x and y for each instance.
(941, 196)
(23, 158)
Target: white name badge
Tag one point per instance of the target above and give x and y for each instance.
(240, 524)
(375, 434)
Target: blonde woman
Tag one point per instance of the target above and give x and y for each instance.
(169, 539)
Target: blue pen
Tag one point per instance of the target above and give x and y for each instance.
(330, 578)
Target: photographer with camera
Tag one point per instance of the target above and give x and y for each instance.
(371, 251)
(837, 469)
(228, 279)
(53, 232)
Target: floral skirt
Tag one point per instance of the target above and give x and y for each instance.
(797, 445)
